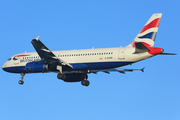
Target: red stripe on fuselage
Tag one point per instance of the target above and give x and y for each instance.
(154, 23)
(21, 55)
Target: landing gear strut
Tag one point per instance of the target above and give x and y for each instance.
(21, 82)
(85, 82)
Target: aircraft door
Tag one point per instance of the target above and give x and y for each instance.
(121, 53)
(16, 61)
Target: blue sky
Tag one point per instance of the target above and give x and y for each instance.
(64, 25)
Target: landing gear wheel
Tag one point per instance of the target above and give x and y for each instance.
(85, 82)
(21, 82)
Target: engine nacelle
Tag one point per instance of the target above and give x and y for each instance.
(36, 67)
(72, 77)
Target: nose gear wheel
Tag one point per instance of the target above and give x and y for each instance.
(21, 82)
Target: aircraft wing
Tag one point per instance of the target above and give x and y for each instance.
(45, 54)
(117, 70)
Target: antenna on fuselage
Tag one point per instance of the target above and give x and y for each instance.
(37, 38)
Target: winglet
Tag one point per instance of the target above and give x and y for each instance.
(37, 38)
(142, 69)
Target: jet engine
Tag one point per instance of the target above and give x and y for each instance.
(72, 77)
(37, 67)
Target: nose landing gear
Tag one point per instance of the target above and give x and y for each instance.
(21, 82)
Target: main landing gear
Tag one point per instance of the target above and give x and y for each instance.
(85, 82)
(21, 82)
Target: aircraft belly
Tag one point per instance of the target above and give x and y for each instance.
(16, 69)
(101, 65)
(105, 65)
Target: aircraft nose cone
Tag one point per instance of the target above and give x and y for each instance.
(4, 67)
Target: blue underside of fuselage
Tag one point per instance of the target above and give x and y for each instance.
(91, 66)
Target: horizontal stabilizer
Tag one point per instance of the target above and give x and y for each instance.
(140, 48)
(167, 54)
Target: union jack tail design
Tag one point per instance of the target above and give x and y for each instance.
(149, 31)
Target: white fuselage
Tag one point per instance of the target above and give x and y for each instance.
(95, 59)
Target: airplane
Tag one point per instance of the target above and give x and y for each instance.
(75, 65)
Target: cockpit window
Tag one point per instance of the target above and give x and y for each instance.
(9, 59)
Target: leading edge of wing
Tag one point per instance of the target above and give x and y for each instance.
(117, 70)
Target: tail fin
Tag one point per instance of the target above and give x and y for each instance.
(149, 31)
